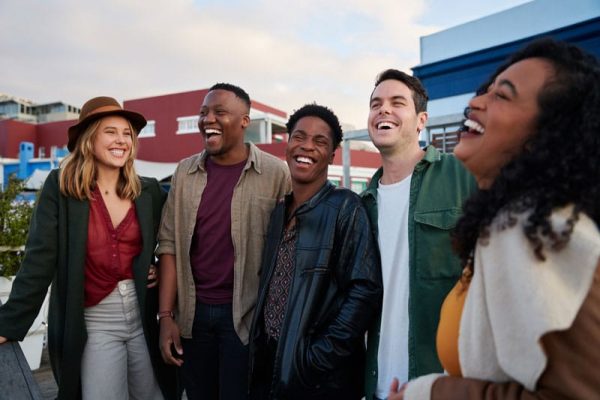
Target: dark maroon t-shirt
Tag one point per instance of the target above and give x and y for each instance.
(211, 252)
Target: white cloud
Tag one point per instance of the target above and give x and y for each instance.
(283, 53)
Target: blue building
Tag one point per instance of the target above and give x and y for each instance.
(455, 61)
(28, 167)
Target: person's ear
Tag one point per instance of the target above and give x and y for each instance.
(421, 121)
(245, 121)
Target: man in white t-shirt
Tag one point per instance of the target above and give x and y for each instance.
(414, 200)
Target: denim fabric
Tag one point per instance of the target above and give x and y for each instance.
(262, 379)
(115, 363)
(215, 362)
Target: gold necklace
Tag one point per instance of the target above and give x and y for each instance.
(105, 190)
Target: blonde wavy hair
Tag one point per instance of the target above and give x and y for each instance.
(78, 171)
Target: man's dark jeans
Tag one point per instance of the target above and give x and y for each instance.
(215, 362)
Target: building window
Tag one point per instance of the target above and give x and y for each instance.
(187, 125)
(444, 137)
(335, 180)
(148, 130)
(358, 185)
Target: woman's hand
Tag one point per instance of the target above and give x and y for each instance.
(3, 339)
(396, 391)
(152, 277)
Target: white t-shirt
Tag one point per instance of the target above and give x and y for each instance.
(392, 204)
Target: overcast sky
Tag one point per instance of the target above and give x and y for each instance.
(283, 53)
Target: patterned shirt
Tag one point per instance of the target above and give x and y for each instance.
(281, 281)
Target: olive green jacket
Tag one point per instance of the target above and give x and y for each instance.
(438, 188)
(55, 253)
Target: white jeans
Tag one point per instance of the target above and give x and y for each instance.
(115, 363)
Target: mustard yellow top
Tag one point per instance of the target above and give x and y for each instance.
(449, 326)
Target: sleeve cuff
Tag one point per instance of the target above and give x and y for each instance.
(164, 249)
(420, 388)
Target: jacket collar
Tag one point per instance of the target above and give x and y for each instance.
(143, 208)
(432, 155)
(313, 201)
(254, 160)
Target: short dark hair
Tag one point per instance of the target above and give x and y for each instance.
(322, 112)
(238, 91)
(417, 89)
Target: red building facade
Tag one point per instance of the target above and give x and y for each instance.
(172, 133)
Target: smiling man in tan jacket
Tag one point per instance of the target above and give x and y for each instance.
(210, 244)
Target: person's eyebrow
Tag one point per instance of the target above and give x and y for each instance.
(397, 97)
(509, 85)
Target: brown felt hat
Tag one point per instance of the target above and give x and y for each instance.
(97, 108)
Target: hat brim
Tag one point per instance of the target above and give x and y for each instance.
(137, 121)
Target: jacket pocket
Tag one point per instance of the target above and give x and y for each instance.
(260, 209)
(314, 284)
(316, 270)
(433, 249)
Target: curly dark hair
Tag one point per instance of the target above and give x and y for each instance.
(238, 91)
(559, 164)
(419, 93)
(316, 110)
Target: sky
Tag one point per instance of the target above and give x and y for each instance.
(283, 53)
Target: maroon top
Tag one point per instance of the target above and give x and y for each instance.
(110, 251)
(211, 252)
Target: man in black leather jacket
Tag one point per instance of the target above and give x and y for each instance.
(320, 280)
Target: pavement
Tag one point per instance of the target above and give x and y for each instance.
(45, 379)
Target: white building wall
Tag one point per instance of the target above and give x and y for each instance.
(448, 105)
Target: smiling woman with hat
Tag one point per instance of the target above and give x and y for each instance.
(92, 236)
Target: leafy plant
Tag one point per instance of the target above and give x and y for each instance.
(15, 215)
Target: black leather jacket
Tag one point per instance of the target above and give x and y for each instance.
(336, 290)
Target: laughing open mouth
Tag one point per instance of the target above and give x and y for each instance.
(474, 127)
(304, 160)
(117, 152)
(386, 125)
(211, 132)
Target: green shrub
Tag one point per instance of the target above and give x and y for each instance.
(15, 216)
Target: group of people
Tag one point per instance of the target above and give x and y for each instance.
(466, 276)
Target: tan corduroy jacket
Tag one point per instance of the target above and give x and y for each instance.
(264, 180)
